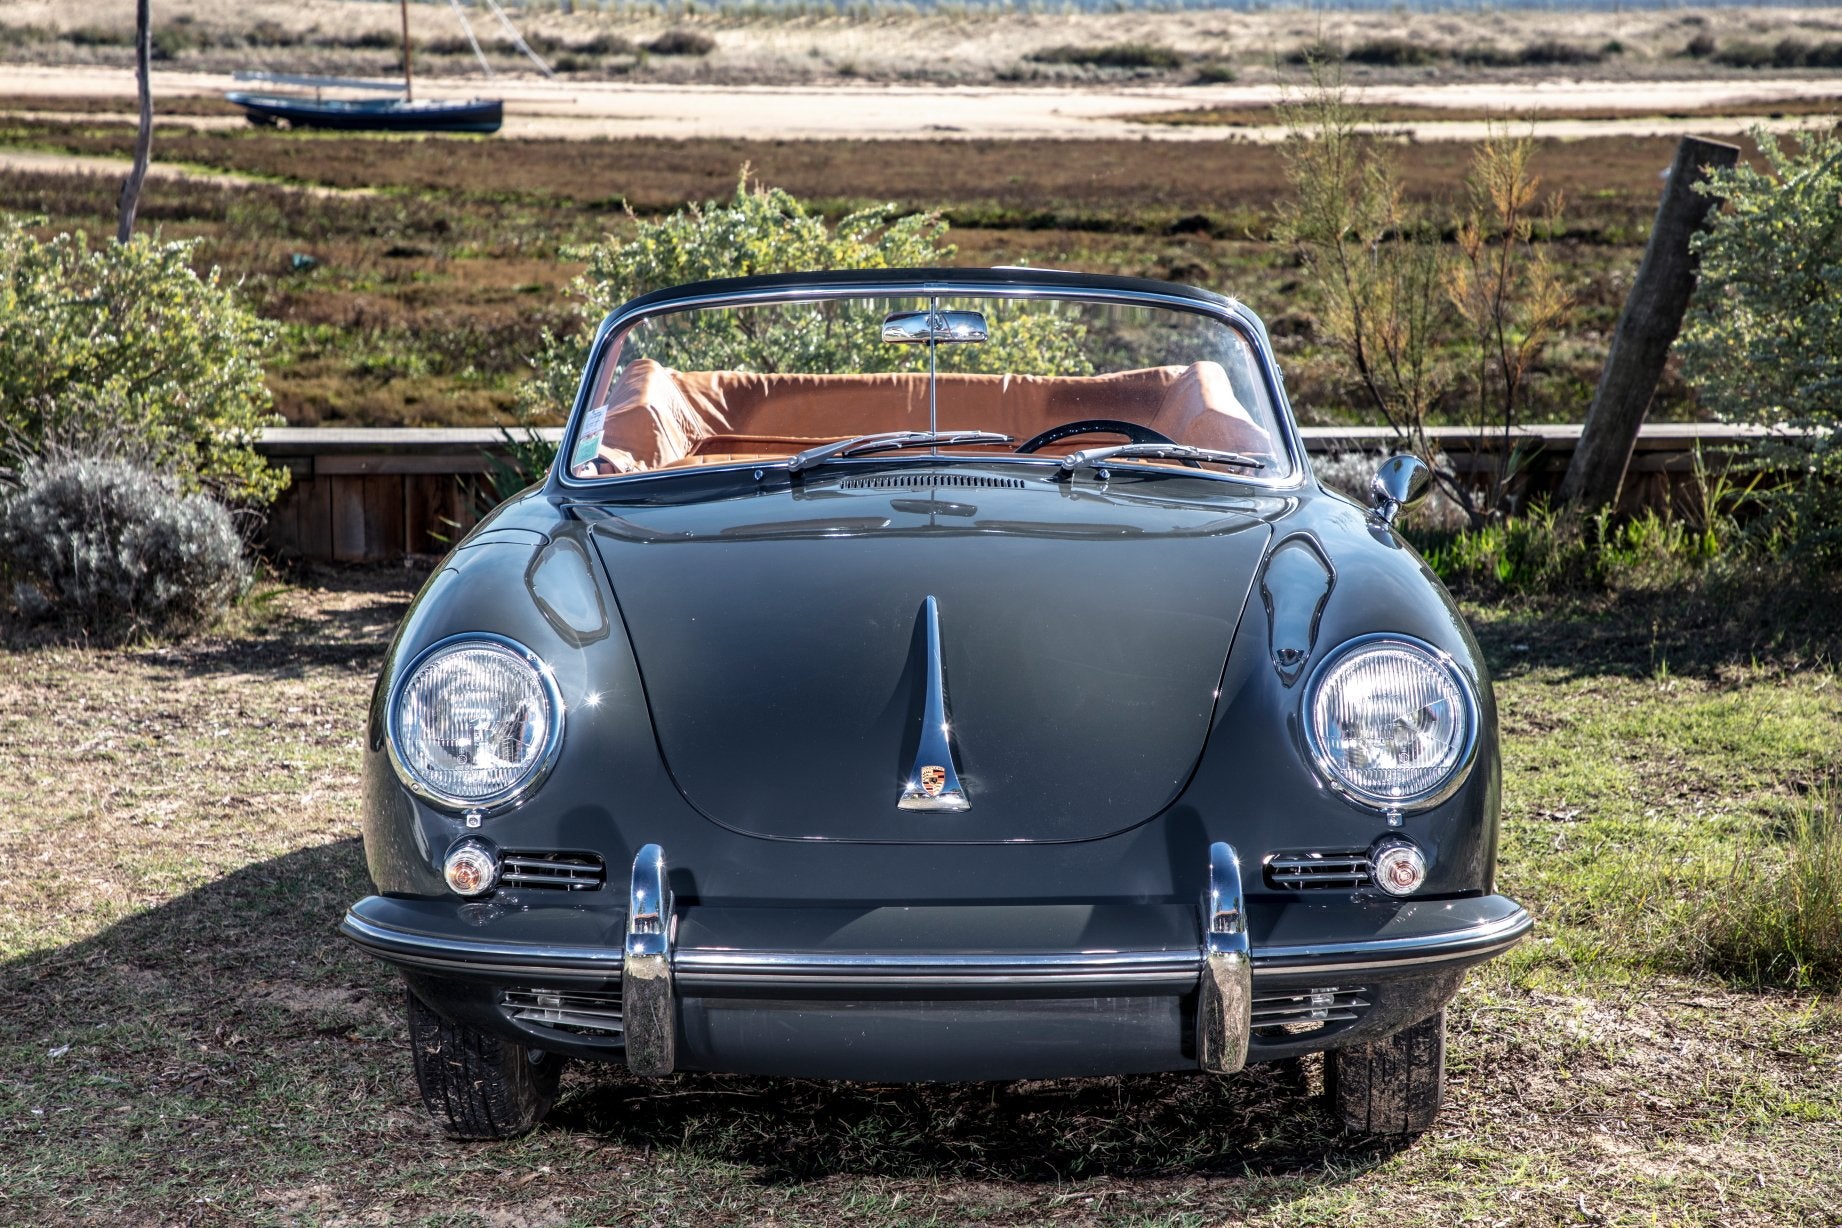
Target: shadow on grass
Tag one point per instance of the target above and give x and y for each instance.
(1263, 1123)
(267, 639)
(1777, 622)
(238, 989)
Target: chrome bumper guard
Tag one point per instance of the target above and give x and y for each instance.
(649, 1008)
(652, 972)
(1224, 1006)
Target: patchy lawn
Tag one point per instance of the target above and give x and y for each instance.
(183, 1039)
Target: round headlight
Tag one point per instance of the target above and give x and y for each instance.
(1391, 722)
(474, 721)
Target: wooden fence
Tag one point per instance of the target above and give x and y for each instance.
(377, 494)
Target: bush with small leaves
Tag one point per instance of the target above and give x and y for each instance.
(126, 347)
(1153, 56)
(767, 230)
(1763, 333)
(682, 42)
(117, 549)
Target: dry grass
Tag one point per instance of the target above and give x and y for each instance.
(185, 1041)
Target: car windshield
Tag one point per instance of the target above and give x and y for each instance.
(764, 383)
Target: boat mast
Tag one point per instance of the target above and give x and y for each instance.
(409, 85)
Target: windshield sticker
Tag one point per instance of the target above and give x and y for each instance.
(588, 439)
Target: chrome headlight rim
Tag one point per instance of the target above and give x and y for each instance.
(1325, 765)
(512, 795)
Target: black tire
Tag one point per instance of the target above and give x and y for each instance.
(475, 1084)
(1392, 1086)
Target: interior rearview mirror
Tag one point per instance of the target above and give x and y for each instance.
(940, 327)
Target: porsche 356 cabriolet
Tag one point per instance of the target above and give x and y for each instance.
(935, 674)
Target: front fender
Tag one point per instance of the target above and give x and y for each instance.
(1373, 582)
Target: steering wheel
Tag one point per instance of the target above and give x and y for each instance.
(1090, 426)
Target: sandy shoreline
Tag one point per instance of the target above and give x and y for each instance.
(540, 109)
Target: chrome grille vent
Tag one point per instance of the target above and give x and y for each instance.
(931, 481)
(572, 1010)
(1307, 1010)
(1317, 870)
(553, 871)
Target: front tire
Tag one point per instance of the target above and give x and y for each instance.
(475, 1084)
(1392, 1086)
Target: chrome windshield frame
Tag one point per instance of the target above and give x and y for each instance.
(1227, 311)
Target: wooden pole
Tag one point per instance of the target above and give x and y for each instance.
(1647, 326)
(409, 85)
(143, 142)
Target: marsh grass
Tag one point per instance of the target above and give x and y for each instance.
(438, 263)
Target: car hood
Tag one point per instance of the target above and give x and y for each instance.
(1082, 633)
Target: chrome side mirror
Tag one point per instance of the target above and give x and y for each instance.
(1401, 482)
(938, 327)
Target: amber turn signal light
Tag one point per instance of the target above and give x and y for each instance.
(1399, 868)
(471, 869)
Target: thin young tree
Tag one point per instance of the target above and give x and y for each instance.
(143, 141)
(1506, 291)
(1378, 266)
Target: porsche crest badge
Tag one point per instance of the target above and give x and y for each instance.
(933, 779)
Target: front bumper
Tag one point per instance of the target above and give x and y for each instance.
(1026, 992)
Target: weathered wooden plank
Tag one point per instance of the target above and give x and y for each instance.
(347, 496)
(314, 519)
(383, 525)
(351, 466)
(281, 529)
(428, 503)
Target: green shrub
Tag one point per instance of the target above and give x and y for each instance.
(1215, 72)
(1315, 52)
(1777, 919)
(100, 36)
(1762, 341)
(608, 44)
(1543, 553)
(1111, 55)
(1391, 53)
(125, 347)
(1744, 55)
(1484, 55)
(1553, 51)
(766, 230)
(682, 42)
(117, 549)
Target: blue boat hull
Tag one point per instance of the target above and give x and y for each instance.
(372, 115)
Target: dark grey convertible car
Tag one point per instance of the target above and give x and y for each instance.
(936, 674)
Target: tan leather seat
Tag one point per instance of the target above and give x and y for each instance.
(658, 416)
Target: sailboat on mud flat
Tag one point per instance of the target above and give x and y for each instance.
(390, 114)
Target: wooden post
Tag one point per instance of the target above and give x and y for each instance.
(143, 143)
(409, 84)
(1647, 326)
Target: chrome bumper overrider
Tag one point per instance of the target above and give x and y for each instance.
(653, 970)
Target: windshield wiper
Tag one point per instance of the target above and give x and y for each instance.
(887, 441)
(1157, 451)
